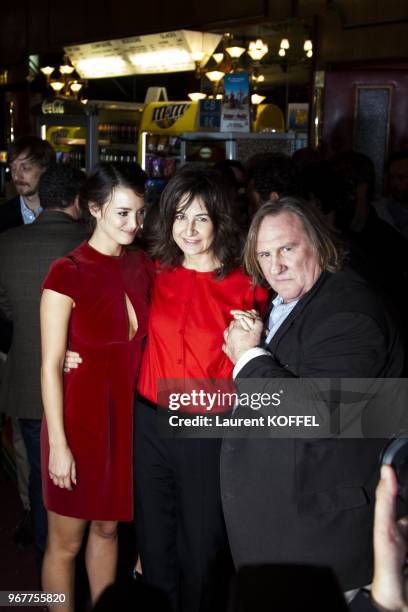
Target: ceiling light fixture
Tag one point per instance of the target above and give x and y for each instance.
(257, 49)
(214, 75)
(47, 70)
(195, 96)
(76, 86)
(257, 99)
(235, 52)
(66, 68)
(198, 56)
(57, 85)
(218, 57)
(308, 46)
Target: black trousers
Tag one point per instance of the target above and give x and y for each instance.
(180, 527)
(31, 432)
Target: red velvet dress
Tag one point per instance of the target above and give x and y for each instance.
(98, 396)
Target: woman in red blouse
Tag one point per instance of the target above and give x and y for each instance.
(95, 302)
(181, 534)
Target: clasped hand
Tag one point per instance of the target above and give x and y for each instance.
(242, 334)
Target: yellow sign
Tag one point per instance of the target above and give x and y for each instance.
(169, 117)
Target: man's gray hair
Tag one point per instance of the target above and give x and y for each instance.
(331, 253)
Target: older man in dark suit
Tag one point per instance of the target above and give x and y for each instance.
(305, 501)
(26, 254)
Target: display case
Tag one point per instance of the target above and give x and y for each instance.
(212, 147)
(159, 141)
(83, 134)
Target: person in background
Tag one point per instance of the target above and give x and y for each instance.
(26, 253)
(377, 251)
(28, 157)
(394, 207)
(271, 176)
(95, 301)
(234, 174)
(305, 157)
(388, 590)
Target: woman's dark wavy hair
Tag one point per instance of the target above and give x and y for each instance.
(188, 184)
(104, 179)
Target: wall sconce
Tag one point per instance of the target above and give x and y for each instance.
(284, 44)
(257, 49)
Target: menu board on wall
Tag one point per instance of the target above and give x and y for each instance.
(235, 116)
(149, 54)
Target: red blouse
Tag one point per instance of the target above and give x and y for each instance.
(189, 312)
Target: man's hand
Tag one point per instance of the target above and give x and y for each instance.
(390, 547)
(242, 334)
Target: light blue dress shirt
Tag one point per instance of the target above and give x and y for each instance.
(28, 215)
(278, 314)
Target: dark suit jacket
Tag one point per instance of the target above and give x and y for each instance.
(26, 254)
(303, 500)
(10, 214)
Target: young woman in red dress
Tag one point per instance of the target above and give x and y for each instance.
(95, 301)
(181, 534)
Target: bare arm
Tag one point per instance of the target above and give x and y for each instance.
(55, 312)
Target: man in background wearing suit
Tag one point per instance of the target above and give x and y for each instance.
(28, 157)
(297, 500)
(26, 254)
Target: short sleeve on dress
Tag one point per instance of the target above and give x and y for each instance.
(63, 278)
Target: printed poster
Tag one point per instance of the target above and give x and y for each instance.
(235, 114)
